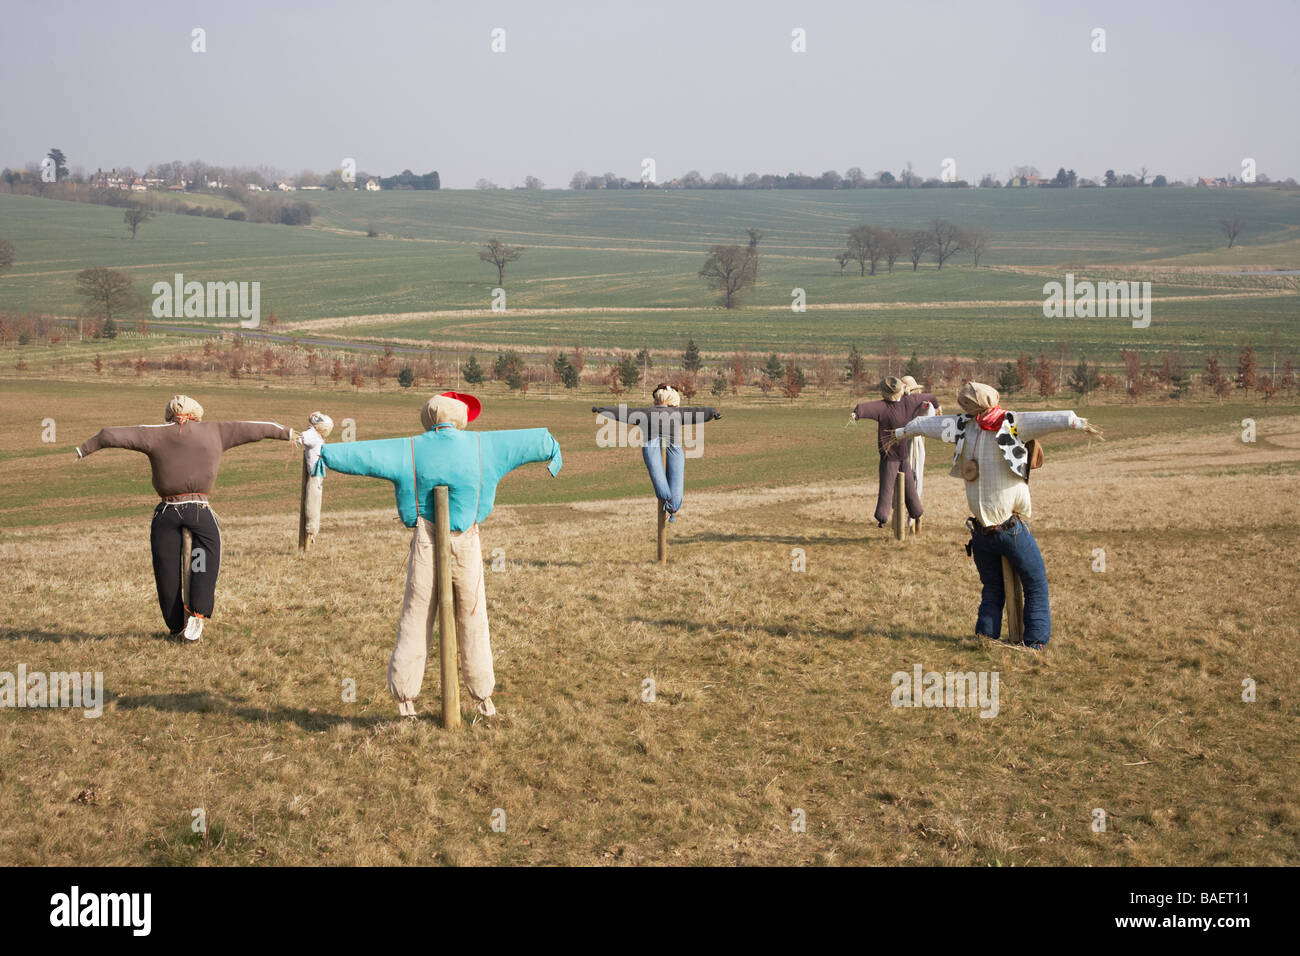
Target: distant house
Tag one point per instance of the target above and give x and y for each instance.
(176, 188)
(372, 185)
(153, 182)
(284, 187)
(137, 185)
(305, 188)
(254, 188)
(1213, 182)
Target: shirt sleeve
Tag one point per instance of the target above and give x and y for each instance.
(870, 410)
(388, 458)
(130, 437)
(506, 450)
(241, 433)
(942, 427)
(1035, 424)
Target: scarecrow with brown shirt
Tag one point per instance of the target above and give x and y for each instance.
(185, 455)
(894, 409)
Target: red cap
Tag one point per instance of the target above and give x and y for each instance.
(474, 405)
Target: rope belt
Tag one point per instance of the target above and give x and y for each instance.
(179, 499)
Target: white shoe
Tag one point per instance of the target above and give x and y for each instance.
(193, 628)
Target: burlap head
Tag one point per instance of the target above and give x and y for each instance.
(665, 394)
(976, 397)
(910, 384)
(322, 423)
(441, 409)
(182, 407)
(892, 389)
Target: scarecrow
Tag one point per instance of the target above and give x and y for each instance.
(661, 424)
(916, 456)
(471, 464)
(320, 426)
(996, 449)
(185, 455)
(895, 408)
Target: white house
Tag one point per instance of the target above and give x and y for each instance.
(372, 185)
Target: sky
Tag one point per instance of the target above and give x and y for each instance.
(1183, 88)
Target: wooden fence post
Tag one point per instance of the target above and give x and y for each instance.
(446, 609)
(187, 545)
(1015, 603)
(304, 539)
(900, 506)
(663, 515)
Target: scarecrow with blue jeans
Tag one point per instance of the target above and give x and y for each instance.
(661, 426)
(993, 459)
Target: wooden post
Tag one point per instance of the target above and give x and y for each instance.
(663, 515)
(304, 539)
(187, 544)
(900, 506)
(446, 609)
(1015, 603)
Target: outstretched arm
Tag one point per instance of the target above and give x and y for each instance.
(241, 433)
(505, 451)
(130, 437)
(388, 458)
(1036, 424)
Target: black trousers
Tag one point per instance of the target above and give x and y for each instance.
(205, 559)
(885, 496)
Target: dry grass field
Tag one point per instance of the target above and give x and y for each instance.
(773, 686)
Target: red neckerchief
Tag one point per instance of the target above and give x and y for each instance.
(182, 419)
(991, 419)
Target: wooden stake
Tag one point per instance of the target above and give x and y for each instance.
(304, 539)
(446, 609)
(187, 544)
(900, 506)
(663, 515)
(1015, 603)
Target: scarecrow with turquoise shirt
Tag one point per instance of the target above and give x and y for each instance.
(471, 464)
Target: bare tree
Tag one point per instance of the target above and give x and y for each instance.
(917, 244)
(107, 291)
(728, 269)
(7, 256)
(945, 240)
(1231, 228)
(892, 244)
(500, 255)
(135, 215)
(976, 241)
(866, 244)
(751, 252)
(844, 258)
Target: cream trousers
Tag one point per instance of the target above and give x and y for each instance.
(420, 618)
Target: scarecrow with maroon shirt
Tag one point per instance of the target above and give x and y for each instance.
(185, 455)
(894, 409)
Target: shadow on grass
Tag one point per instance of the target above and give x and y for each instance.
(781, 629)
(794, 539)
(55, 637)
(205, 702)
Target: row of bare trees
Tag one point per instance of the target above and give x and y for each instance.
(868, 246)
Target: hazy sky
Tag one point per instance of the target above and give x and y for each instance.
(1184, 88)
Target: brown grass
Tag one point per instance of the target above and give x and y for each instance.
(773, 687)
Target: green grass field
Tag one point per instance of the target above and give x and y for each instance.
(636, 255)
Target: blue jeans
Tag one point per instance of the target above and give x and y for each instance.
(668, 487)
(1018, 546)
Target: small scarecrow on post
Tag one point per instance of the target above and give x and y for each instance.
(470, 465)
(895, 408)
(320, 426)
(661, 428)
(996, 449)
